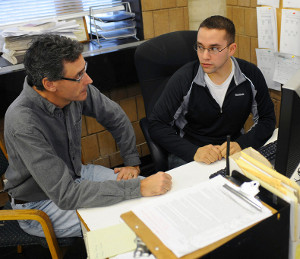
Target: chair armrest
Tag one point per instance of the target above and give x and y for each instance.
(43, 219)
(159, 155)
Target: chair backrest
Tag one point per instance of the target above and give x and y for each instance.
(157, 59)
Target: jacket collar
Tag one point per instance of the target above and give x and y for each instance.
(238, 75)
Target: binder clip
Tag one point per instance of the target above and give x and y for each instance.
(246, 192)
(141, 249)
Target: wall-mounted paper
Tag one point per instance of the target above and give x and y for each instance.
(290, 32)
(266, 63)
(267, 28)
(274, 3)
(291, 3)
(286, 66)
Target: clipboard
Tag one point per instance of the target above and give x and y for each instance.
(159, 250)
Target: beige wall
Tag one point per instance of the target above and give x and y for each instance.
(201, 9)
(163, 16)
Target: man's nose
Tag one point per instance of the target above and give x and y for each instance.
(87, 79)
(206, 54)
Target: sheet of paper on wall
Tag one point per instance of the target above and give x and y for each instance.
(195, 217)
(267, 28)
(274, 3)
(290, 32)
(266, 63)
(291, 3)
(286, 66)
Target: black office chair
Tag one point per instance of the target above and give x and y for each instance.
(156, 60)
(12, 235)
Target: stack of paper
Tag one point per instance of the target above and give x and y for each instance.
(17, 39)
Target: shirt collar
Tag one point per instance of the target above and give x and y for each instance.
(38, 99)
(238, 75)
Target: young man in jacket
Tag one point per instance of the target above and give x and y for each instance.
(43, 140)
(208, 99)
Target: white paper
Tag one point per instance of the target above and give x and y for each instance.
(110, 241)
(130, 255)
(290, 32)
(41, 28)
(266, 63)
(267, 28)
(195, 217)
(274, 3)
(286, 66)
(291, 3)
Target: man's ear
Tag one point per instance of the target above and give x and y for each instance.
(232, 48)
(49, 85)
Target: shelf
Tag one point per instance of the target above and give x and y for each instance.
(117, 34)
(115, 16)
(112, 25)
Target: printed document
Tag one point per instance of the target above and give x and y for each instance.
(266, 63)
(267, 28)
(195, 217)
(274, 3)
(286, 66)
(291, 3)
(290, 32)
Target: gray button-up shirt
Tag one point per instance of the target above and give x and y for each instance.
(44, 149)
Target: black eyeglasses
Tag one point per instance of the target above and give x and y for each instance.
(213, 50)
(80, 76)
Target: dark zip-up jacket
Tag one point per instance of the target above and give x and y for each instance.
(186, 116)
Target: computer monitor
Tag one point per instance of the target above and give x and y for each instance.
(288, 142)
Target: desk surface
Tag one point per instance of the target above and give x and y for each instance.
(182, 177)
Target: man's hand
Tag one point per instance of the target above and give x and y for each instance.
(156, 184)
(208, 154)
(234, 148)
(127, 172)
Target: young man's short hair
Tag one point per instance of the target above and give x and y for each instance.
(221, 23)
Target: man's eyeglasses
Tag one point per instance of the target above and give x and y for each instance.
(213, 50)
(80, 76)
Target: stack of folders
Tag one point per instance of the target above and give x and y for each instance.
(254, 166)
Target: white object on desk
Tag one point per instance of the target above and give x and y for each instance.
(198, 216)
(114, 240)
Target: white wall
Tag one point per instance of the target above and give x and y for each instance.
(201, 9)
